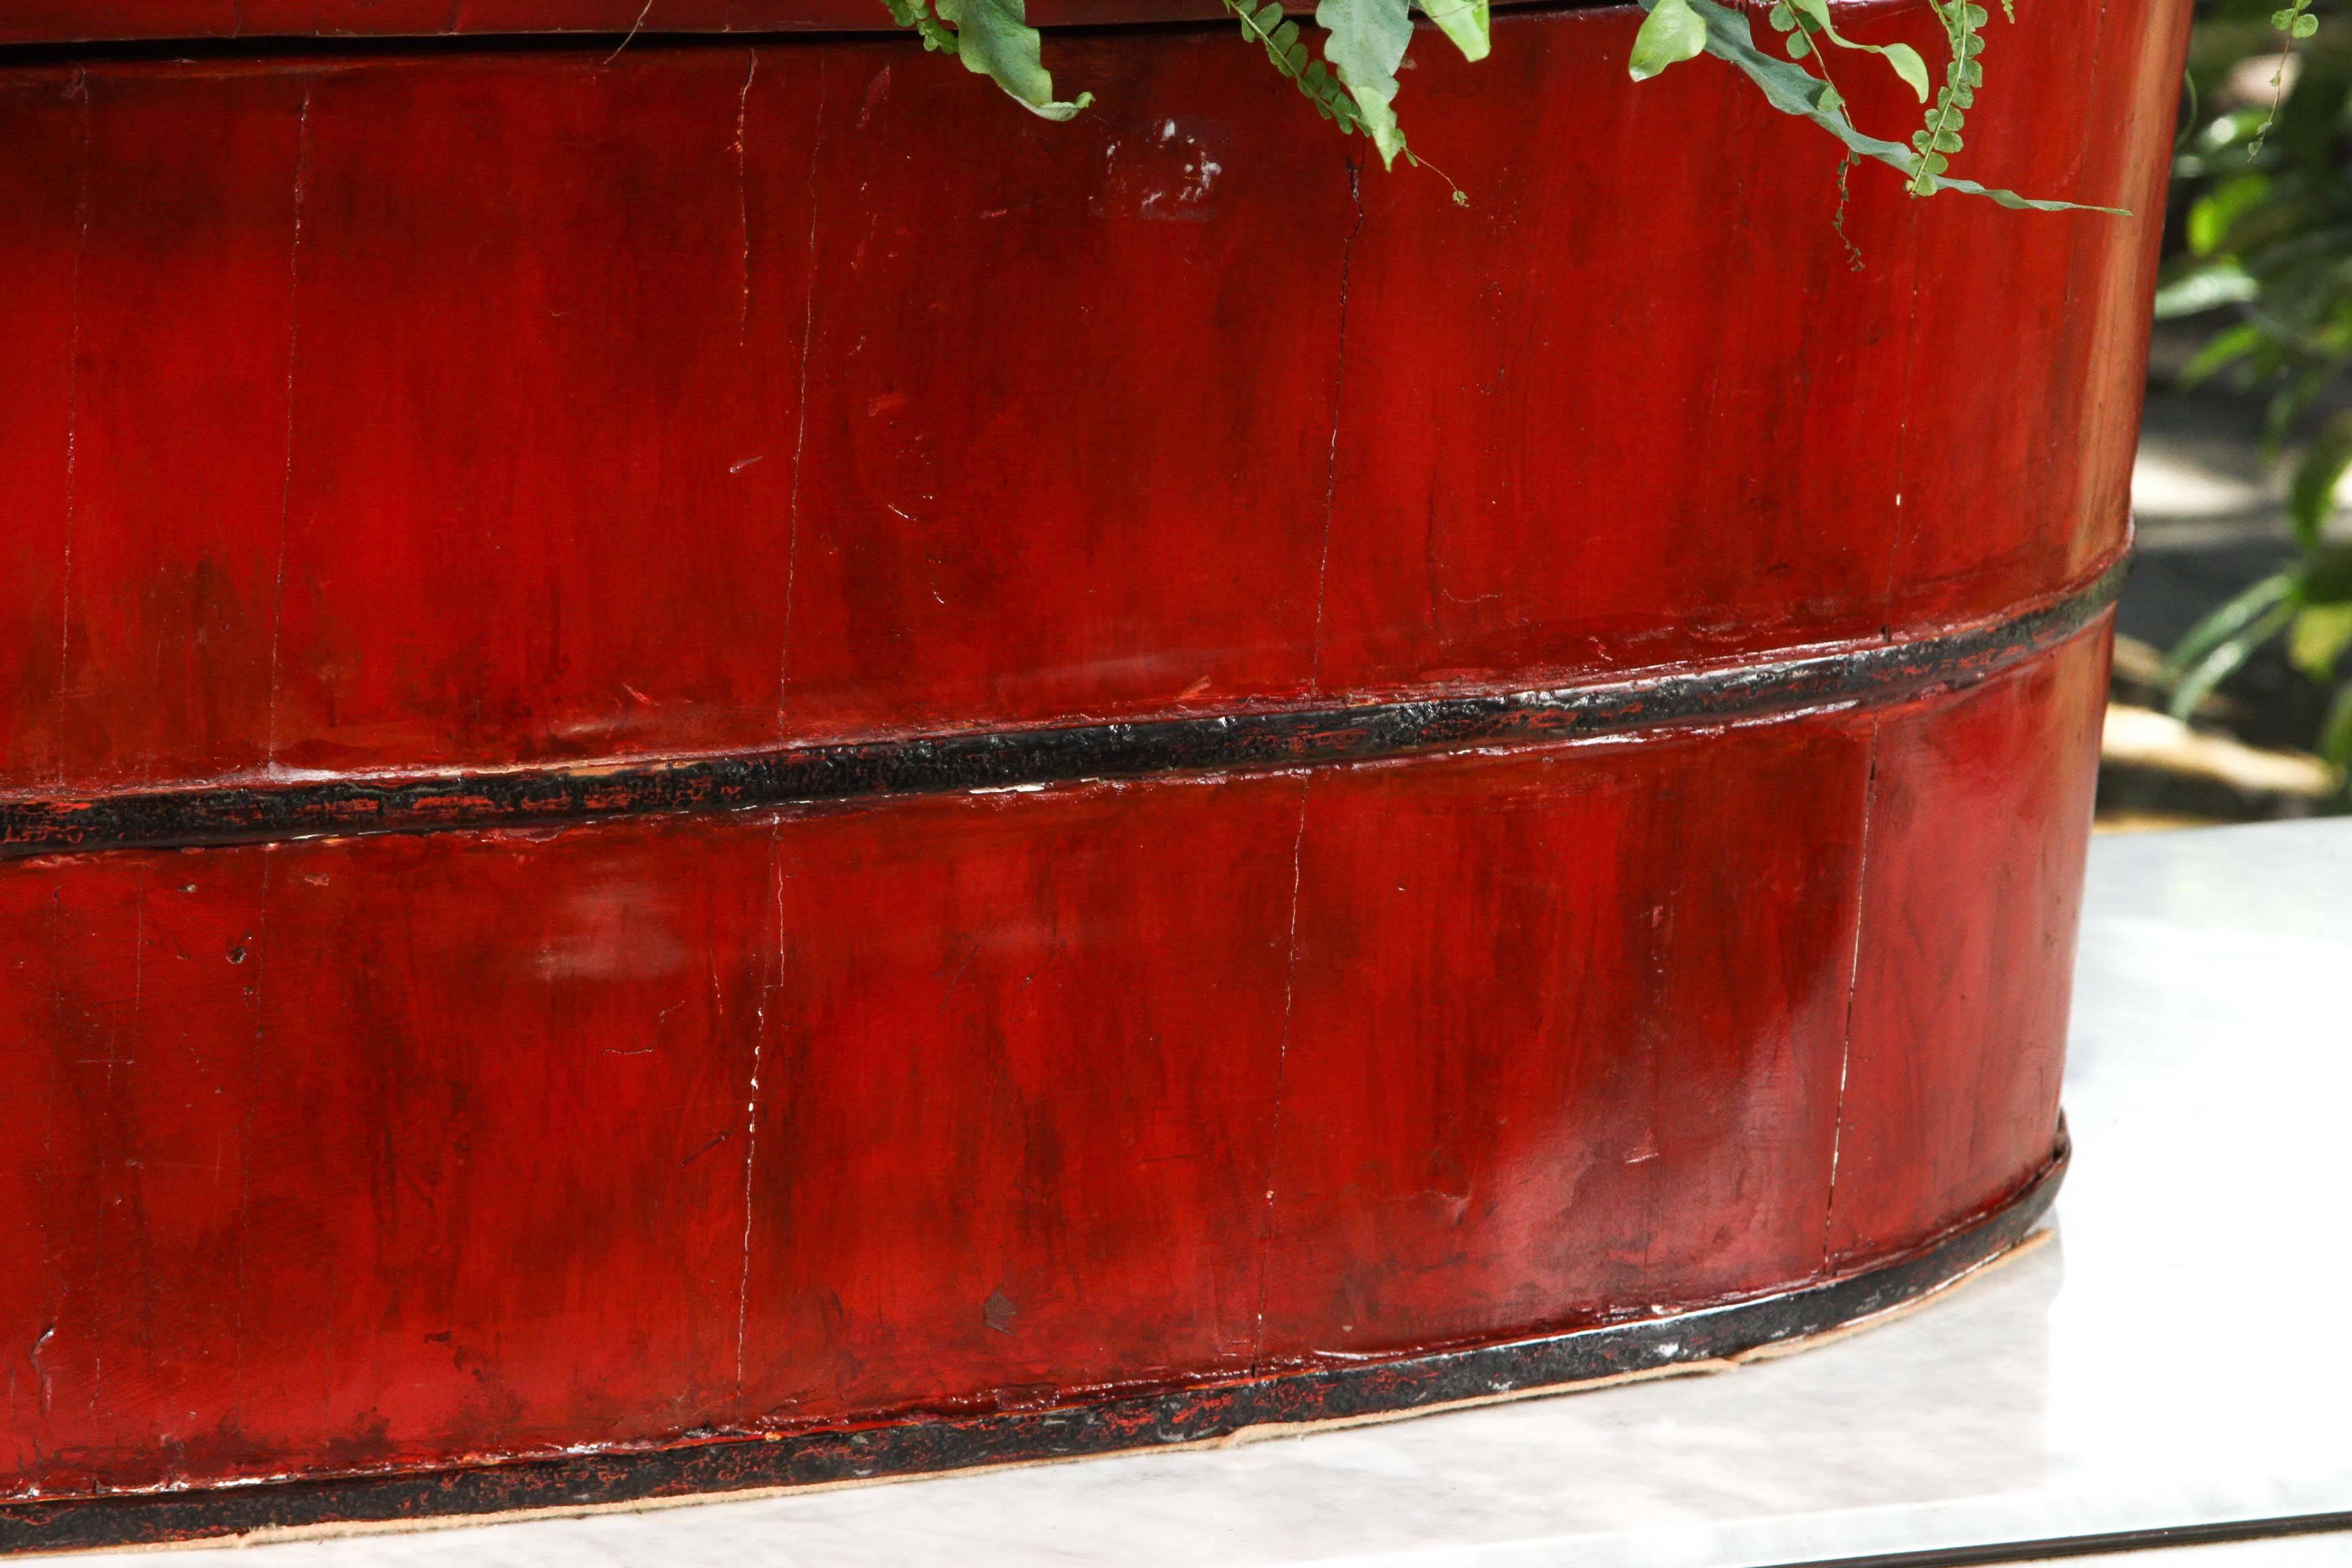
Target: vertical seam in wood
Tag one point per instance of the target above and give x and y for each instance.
(1852, 985)
(2066, 313)
(771, 977)
(800, 411)
(1742, 116)
(244, 1132)
(742, 196)
(286, 482)
(108, 1167)
(79, 91)
(1339, 394)
(2098, 52)
(1281, 1064)
(49, 1270)
(1902, 441)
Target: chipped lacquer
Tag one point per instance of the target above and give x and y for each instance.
(721, 767)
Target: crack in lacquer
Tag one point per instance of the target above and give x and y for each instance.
(1339, 393)
(285, 483)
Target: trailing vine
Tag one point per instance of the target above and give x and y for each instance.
(1354, 84)
(1288, 50)
(2295, 22)
(994, 38)
(1941, 138)
(1332, 100)
(1837, 220)
(935, 34)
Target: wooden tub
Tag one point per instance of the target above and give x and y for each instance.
(721, 767)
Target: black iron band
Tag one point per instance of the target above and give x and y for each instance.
(1876, 673)
(924, 1445)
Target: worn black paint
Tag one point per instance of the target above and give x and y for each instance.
(1980, 1555)
(245, 812)
(939, 1443)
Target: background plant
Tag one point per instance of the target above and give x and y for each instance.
(2264, 192)
(1354, 83)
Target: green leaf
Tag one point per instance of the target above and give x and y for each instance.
(1794, 90)
(1671, 33)
(2199, 681)
(993, 37)
(2304, 27)
(917, 14)
(2317, 640)
(1909, 65)
(1463, 21)
(2235, 344)
(2228, 621)
(2224, 283)
(2336, 734)
(2311, 498)
(2212, 215)
(1367, 41)
(2326, 577)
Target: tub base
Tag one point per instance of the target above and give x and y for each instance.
(1342, 1395)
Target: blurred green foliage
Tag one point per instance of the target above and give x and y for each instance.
(2262, 186)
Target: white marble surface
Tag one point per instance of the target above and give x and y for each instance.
(2173, 1357)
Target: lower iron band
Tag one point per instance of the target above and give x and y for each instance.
(1355, 1391)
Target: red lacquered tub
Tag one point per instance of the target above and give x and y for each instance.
(721, 767)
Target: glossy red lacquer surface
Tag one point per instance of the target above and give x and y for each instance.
(1529, 1083)
(1958, 1026)
(341, 1153)
(403, 411)
(449, 388)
